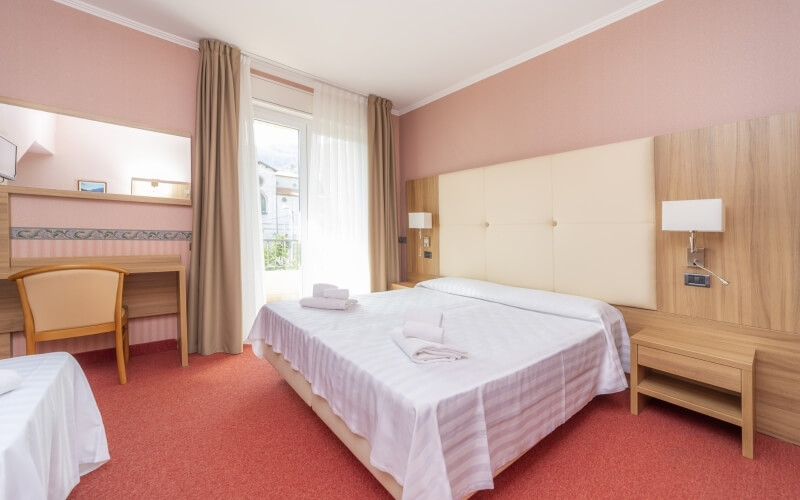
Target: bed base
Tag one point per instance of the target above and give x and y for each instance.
(357, 445)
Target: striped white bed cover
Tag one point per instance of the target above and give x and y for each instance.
(441, 430)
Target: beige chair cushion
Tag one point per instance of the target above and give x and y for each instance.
(72, 298)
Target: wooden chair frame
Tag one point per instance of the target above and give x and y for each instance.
(119, 326)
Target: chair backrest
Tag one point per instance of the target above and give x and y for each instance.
(71, 296)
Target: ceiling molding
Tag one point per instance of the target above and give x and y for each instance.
(115, 18)
(563, 40)
(258, 62)
(289, 73)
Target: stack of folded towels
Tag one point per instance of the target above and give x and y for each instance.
(326, 296)
(422, 337)
(9, 380)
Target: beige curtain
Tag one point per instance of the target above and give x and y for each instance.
(215, 292)
(384, 263)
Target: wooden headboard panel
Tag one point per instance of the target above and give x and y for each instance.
(570, 222)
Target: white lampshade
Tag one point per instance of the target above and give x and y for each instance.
(693, 215)
(420, 220)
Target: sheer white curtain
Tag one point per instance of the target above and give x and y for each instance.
(252, 246)
(336, 246)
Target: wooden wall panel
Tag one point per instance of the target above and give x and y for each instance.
(754, 167)
(422, 195)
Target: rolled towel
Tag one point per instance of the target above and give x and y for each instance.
(9, 380)
(336, 293)
(424, 315)
(422, 351)
(324, 303)
(319, 289)
(424, 331)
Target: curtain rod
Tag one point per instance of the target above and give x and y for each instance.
(284, 71)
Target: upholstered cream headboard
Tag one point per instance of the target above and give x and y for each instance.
(581, 222)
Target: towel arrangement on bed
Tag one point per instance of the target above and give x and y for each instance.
(327, 296)
(422, 337)
(9, 380)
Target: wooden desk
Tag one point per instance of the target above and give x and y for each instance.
(156, 286)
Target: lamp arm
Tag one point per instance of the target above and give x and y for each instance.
(691, 241)
(721, 280)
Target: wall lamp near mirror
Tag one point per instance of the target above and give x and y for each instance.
(692, 216)
(420, 221)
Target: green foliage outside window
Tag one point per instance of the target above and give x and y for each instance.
(281, 253)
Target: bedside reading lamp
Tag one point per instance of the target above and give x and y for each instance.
(694, 215)
(420, 220)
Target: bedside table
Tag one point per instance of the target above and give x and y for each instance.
(710, 378)
(401, 285)
(5, 345)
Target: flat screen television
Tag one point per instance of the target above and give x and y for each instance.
(8, 159)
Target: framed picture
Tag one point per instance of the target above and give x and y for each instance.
(92, 186)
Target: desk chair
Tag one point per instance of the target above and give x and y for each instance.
(73, 300)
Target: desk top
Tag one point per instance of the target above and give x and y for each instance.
(134, 263)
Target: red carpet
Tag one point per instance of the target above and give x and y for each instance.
(229, 427)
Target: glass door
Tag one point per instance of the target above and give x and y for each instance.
(281, 151)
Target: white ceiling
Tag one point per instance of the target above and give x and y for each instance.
(410, 51)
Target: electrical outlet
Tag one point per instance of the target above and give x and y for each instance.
(428, 255)
(401, 239)
(703, 280)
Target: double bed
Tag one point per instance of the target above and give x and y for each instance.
(444, 430)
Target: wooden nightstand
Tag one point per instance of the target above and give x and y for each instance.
(401, 285)
(5, 345)
(682, 368)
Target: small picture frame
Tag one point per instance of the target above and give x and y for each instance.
(92, 186)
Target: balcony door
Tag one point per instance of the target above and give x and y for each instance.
(281, 151)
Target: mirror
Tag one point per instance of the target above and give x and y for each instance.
(58, 151)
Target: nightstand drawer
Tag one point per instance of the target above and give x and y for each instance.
(707, 372)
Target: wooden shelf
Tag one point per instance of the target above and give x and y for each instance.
(701, 399)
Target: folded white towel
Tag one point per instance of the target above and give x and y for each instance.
(422, 351)
(324, 303)
(336, 293)
(424, 331)
(319, 289)
(424, 315)
(9, 380)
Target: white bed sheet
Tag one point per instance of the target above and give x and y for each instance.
(51, 431)
(442, 430)
(288, 327)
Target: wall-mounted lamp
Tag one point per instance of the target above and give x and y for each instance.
(420, 220)
(694, 215)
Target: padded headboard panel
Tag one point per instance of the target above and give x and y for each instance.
(581, 222)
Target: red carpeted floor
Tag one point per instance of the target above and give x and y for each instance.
(229, 427)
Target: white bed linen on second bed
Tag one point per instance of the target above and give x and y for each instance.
(51, 431)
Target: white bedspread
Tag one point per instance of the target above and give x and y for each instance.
(51, 431)
(287, 327)
(442, 430)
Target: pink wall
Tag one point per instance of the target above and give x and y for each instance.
(678, 65)
(57, 56)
